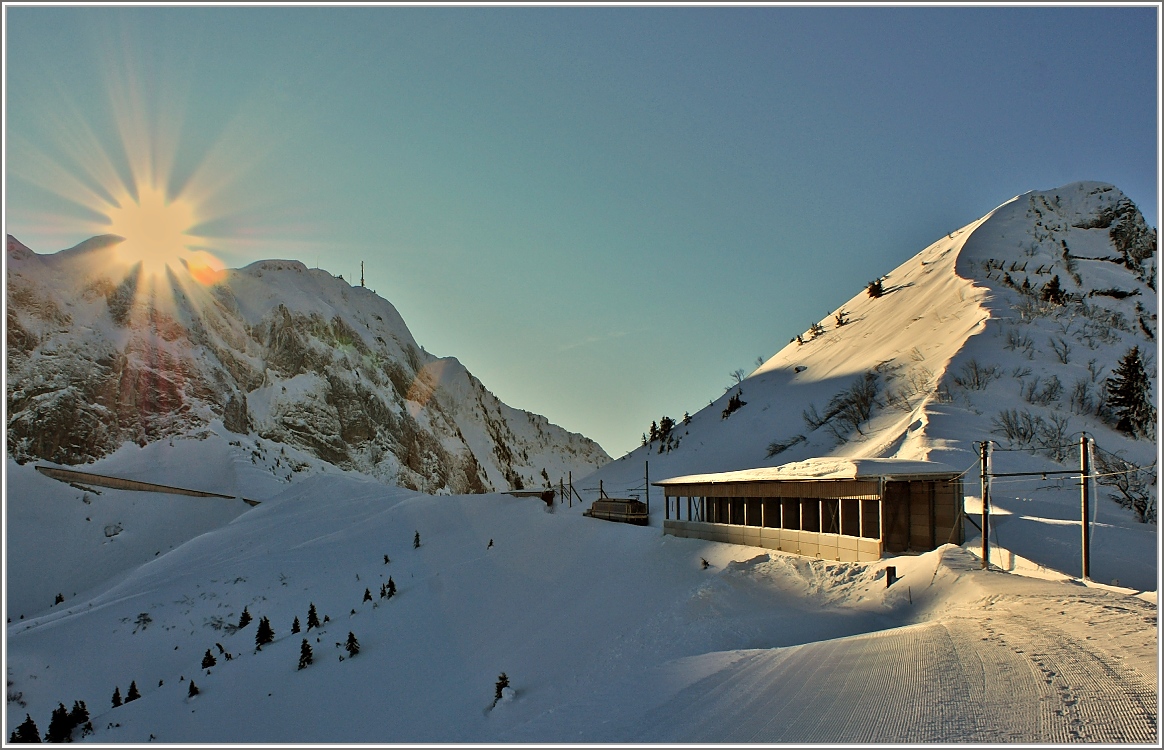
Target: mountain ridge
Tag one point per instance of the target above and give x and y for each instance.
(100, 354)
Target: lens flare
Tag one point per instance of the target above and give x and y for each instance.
(155, 229)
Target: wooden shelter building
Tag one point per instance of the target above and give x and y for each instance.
(831, 508)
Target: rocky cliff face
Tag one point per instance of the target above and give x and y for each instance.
(100, 354)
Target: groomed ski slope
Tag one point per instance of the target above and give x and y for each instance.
(607, 632)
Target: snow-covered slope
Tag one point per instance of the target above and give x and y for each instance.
(952, 353)
(101, 355)
(607, 633)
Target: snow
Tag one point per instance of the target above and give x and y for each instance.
(610, 632)
(824, 468)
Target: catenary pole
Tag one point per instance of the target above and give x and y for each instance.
(985, 458)
(1085, 500)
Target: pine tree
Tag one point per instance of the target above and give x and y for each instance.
(264, 634)
(1129, 395)
(132, 695)
(244, 619)
(295, 626)
(367, 595)
(875, 288)
(391, 587)
(80, 713)
(60, 730)
(116, 697)
(686, 418)
(312, 618)
(1052, 292)
(26, 732)
(60, 599)
(386, 560)
(208, 660)
(666, 424)
(416, 540)
(502, 683)
(193, 690)
(305, 656)
(653, 435)
(352, 646)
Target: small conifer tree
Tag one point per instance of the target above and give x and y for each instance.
(305, 656)
(244, 619)
(264, 634)
(132, 695)
(60, 729)
(60, 599)
(352, 646)
(1130, 395)
(26, 732)
(193, 690)
(386, 560)
(80, 713)
(875, 288)
(312, 618)
(416, 540)
(391, 587)
(1052, 292)
(208, 660)
(502, 683)
(116, 697)
(295, 626)
(367, 595)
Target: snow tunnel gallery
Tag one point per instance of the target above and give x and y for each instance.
(848, 510)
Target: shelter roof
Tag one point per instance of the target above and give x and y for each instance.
(831, 468)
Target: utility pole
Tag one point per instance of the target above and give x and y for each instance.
(647, 484)
(1084, 472)
(361, 273)
(985, 458)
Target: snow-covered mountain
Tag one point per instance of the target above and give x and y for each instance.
(100, 355)
(961, 346)
(609, 632)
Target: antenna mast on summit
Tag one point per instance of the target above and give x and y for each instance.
(361, 273)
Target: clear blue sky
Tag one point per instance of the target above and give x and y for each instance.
(600, 211)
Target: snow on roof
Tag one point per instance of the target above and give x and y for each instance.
(823, 468)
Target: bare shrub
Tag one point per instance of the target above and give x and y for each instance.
(1133, 485)
(1061, 348)
(974, 376)
(776, 447)
(1082, 401)
(917, 382)
(1026, 430)
(1049, 393)
(1018, 427)
(849, 409)
(1020, 341)
(1095, 370)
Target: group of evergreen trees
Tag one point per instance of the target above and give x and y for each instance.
(61, 725)
(132, 695)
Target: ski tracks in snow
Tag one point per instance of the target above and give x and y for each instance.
(991, 674)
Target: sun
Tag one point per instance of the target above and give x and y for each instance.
(157, 230)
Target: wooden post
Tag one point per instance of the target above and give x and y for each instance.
(985, 460)
(1084, 471)
(570, 475)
